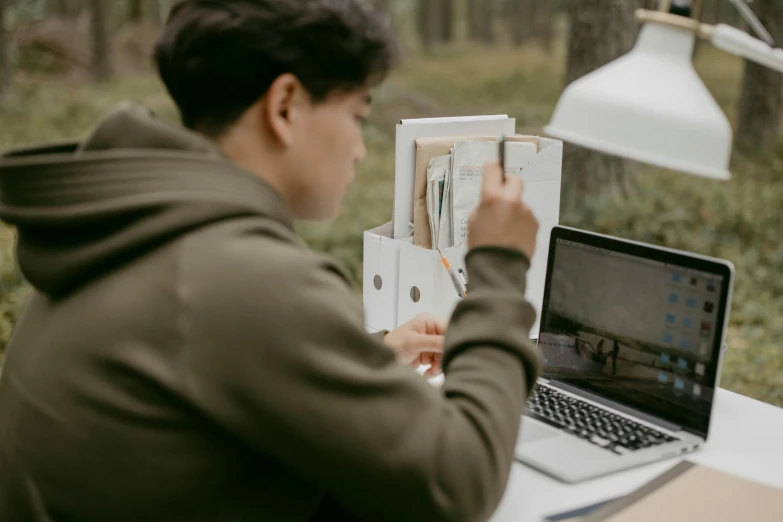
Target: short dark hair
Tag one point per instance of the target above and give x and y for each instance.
(218, 57)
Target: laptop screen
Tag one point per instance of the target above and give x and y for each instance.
(640, 326)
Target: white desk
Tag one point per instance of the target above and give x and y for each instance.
(746, 438)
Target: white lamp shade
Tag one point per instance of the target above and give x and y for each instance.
(650, 106)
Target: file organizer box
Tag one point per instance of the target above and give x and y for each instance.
(402, 281)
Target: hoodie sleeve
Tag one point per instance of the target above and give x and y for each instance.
(278, 355)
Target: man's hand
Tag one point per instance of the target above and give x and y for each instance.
(419, 342)
(502, 219)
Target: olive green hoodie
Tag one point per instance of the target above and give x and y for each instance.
(186, 358)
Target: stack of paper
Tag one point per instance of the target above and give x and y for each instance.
(438, 171)
(454, 185)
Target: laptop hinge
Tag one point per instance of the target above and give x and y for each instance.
(670, 426)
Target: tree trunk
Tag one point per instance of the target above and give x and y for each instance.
(470, 7)
(101, 48)
(481, 18)
(135, 11)
(545, 25)
(5, 61)
(761, 104)
(431, 21)
(446, 20)
(422, 23)
(487, 23)
(67, 8)
(522, 14)
(600, 31)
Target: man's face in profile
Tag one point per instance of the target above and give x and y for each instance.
(329, 144)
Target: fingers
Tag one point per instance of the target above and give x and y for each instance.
(423, 343)
(514, 188)
(435, 368)
(493, 179)
(427, 323)
(431, 325)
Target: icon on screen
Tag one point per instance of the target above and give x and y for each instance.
(679, 384)
(685, 344)
(668, 338)
(711, 287)
(706, 328)
(700, 368)
(704, 348)
(709, 307)
(674, 298)
(676, 277)
(670, 318)
(665, 358)
(691, 303)
(663, 378)
(694, 281)
(682, 363)
(687, 322)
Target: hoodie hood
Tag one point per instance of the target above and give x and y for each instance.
(133, 184)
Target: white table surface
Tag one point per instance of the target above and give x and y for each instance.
(746, 439)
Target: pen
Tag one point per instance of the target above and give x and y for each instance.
(453, 275)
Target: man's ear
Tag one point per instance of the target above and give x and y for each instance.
(281, 107)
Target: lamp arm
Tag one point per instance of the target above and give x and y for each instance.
(737, 42)
(747, 13)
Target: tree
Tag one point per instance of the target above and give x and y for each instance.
(435, 21)
(425, 21)
(531, 19)
(522, 15)
(761, 103)
(67, 8)
(712, 11)
(5, 65)
(135, 11)
(446, 20)
(545, 24)
(481, 17)
(101, 43)
(600, 31)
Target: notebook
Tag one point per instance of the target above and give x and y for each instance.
(690, 493)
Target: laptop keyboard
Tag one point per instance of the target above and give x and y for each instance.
(596, 425)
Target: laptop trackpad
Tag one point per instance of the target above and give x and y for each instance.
(534, 432)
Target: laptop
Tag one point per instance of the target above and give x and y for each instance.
(632, 337)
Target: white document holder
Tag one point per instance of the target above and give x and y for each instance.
(408, 131)
(380, 275)
(402, 281)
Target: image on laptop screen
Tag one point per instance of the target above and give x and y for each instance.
(640, 331)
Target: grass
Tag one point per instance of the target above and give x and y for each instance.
(741, 221)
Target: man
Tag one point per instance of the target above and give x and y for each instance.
(615, 355)
(186, 358)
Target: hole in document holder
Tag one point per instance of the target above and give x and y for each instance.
(415, 294)
(378, 282)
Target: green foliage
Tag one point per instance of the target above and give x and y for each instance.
(12, 290)
(741, 220)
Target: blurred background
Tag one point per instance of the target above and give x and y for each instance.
(63, 63)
